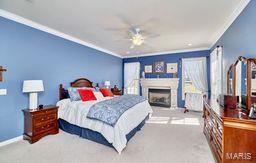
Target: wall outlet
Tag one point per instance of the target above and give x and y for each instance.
(3, 92)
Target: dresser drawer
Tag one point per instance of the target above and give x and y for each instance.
(44, 112)
(43, 128)
(44, 118)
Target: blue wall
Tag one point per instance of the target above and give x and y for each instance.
(28, 53)
(239, 39)
(170, 58)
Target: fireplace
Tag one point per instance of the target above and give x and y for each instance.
(159, 97)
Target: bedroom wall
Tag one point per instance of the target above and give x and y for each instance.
(28, 53)
(239, 39)
(170, 58)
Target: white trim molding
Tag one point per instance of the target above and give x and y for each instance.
(13, 140)
(168, 52)
(237, 11)
(22, 20)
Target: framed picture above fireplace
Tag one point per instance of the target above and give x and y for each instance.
(171, 68)
(148, 68)
(159, 67)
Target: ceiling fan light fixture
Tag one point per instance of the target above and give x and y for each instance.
(137, 39)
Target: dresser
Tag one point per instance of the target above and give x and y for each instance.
(40, 122)
(230, 133)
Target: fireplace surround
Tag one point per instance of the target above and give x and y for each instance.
(170, 84)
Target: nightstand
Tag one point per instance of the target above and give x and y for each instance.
(116, 91)
(40, 122)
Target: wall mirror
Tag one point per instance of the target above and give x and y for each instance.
(230, 80)
(241, 81)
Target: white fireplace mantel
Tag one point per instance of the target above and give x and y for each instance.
(161, 83)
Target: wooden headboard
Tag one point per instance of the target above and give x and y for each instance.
(81, 82)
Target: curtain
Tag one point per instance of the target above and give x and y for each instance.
(216, 72)
(131, 78)
(196, 70)
(194, 101)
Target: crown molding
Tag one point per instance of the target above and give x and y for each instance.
(30, 23)
(168, 52)
(237, 11)
(13, 140)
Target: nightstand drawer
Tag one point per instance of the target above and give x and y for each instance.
(43, 128)
(46, 118)
(44, 112)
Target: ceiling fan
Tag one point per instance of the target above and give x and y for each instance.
(136, 35)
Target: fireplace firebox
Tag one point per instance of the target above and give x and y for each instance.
(159, 97)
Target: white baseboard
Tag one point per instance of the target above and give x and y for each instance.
(13, 140)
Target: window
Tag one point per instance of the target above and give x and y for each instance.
(188, 86)
(133, 88)
(194, 76)
(131, 78)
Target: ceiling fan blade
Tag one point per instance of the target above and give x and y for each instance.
(149, 34)
(125, 39)
(149, 44)
(125, 20)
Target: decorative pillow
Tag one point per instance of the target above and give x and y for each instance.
(98, 95)
(106, 92)
(86, 95)
(74, 94)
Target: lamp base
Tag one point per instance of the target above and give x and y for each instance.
(33, 101)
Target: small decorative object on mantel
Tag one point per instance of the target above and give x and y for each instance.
(171, 67)
(175, 75)
(159, 67)
(1, 73)
(148, 68)
(143, 74)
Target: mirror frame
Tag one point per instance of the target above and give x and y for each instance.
(249, 82)
(232, 67)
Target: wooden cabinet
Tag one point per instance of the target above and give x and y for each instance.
(230, 133)
(40, 122)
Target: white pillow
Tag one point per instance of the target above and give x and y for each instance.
(98, 95)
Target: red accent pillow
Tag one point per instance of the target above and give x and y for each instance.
(86, 95)
(106, 92)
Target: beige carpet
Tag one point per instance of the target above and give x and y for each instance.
(169, 137)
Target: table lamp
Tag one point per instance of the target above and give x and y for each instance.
(107, 84)
(33, 87)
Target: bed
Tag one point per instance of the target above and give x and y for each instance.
(73, 119)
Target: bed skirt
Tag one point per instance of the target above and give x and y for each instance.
(94, 135)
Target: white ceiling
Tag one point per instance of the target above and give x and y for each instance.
(103, 24)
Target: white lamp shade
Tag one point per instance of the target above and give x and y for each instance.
(107, 83)
(33, 86)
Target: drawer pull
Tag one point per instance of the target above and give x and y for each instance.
(42, 119)
(48, 117)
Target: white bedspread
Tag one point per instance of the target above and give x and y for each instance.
(75, 113)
